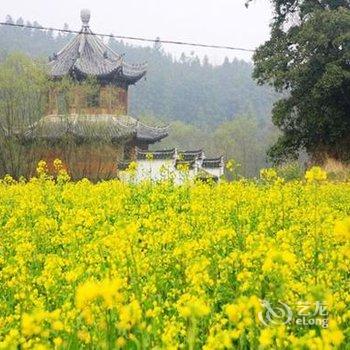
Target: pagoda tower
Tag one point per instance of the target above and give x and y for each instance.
(87, 124)
(87, 56)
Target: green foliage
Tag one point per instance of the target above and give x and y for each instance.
(244, 139)
(23, 87)
(339, 176)
(186, 136)
(308, 58)
(290, 171)
(66, 88)
(23, 94)
(240, 139)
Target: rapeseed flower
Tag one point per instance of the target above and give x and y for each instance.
(316, 173)
(155, 265)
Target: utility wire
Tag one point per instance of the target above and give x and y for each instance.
(130, 37)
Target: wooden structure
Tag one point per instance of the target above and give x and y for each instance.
(87, 126)
(87, 56)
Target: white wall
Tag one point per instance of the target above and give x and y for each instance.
(215, 171)
(157, 170)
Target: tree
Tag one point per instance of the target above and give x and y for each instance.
(20, 21)
(23, 92)
(308, 59)
(241, 139)
(9, 19)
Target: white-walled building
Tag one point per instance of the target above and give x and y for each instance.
(178, 165)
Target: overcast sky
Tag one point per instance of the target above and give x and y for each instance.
(221, 22)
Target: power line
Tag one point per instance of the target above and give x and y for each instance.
(224, 47)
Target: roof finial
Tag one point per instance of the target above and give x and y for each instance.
(85, 16)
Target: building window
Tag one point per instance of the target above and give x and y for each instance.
(63, 102)
(93, 98)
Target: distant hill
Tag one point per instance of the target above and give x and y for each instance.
(187, 89)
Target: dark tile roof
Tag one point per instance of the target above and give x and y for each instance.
(88, 55)
(102, 127)
(151, 134)
(145, 134)
(191, 155)
(92, 127)
(156, 155)
(211, 163)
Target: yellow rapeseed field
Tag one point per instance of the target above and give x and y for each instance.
(242, 265)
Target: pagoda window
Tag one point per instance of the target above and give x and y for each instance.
(62, 103)
(93, 98)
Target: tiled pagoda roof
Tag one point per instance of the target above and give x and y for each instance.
(150, 134)
(55, 127)
(107, 128)
(87, 55)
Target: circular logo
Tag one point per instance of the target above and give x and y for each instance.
(281, 313)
